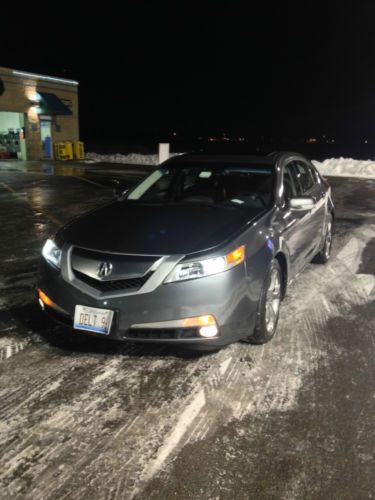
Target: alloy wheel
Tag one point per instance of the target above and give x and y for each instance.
(273, 299)
(328, 241)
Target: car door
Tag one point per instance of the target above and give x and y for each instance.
(292, 225)
(309, 186)
(320, 197)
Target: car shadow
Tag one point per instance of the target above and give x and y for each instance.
(32, 321)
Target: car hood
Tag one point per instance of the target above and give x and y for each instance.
(134, 228)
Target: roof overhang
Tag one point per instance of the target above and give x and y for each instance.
(50, 104)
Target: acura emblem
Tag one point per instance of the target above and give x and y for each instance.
(104, 269)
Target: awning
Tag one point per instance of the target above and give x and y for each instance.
(50, 104)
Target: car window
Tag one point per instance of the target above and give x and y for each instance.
(304, 176)
(314, 174)
(289, 183)
(243, 185)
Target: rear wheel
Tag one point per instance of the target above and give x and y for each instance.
(269, 305)
(323, 256)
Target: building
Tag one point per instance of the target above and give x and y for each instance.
(36, 111)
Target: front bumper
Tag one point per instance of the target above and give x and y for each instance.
(227, 296)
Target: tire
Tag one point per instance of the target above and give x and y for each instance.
(323, 256)
(269, 305)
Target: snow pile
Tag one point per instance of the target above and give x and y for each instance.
(346, 167)
(132, 158)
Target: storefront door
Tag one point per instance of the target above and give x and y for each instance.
(46, 136)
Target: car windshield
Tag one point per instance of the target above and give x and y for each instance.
(230, 185)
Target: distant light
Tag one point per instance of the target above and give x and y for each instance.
(35, 100)
(44, 77)
(174, 134)
(366, 141)
(311, 140)
(36, 109)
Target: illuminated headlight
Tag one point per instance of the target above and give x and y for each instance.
(52, 253)
(207, 267)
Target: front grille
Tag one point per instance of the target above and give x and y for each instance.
(133, 284)
(162, 333)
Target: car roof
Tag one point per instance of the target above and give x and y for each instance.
(198, 158)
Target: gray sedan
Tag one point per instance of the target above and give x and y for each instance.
(200, 253)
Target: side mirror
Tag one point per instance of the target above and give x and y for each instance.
(303, 203)
(120, 189)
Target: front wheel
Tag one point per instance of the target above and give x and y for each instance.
(323, 256)
(269, 305)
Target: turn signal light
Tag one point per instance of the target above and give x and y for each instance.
(237, 256)
(45, 299)
(197, 321)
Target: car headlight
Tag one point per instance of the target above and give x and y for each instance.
(52, 253)
(207, 267)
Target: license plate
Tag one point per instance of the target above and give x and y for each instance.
(93, 319)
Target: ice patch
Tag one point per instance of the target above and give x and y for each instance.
(186, 418)
(350, 255)
(224, 366)
(367, 282)
(110, 371)
(13, 348)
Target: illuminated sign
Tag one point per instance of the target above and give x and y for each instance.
(44, 77)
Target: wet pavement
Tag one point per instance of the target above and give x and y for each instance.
(83, 417)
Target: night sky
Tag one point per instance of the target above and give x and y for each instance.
(280, 69)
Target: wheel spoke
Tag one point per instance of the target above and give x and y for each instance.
(272, 316)
(272, 301)
(328, 242)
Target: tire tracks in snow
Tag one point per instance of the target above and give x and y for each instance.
(271, 381)
(93, 424)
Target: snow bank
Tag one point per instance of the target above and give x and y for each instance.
(132, 158)
(346, 167)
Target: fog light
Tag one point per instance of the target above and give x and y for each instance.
(208, 331)
(206, 325)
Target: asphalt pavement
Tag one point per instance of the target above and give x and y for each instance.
(83, 417)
